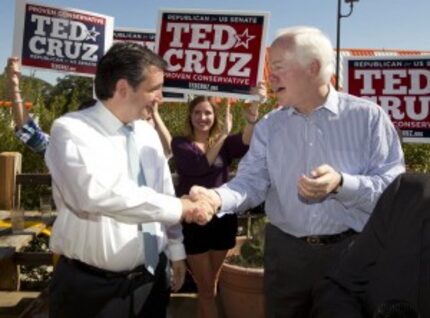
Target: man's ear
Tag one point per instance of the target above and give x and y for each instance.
(121, 88)
(315, 68)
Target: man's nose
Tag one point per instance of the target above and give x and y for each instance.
(159, 96)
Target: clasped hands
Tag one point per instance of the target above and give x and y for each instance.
(200, 205)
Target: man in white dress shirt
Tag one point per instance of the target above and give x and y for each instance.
(102, 271)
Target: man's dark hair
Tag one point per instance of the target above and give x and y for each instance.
(87, 104)
(396, 309)
(124, 60)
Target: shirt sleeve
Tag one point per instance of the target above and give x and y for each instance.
(33, 137)
(385, 163)
(248, 188)
(175, 248)
(88, 182)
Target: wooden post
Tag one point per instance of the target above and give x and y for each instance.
(10, 166)
(9, 274)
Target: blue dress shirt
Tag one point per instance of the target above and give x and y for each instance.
(353, 135)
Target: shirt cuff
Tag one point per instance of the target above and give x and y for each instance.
(228, 200)
(349, 188)
(22, 132)
(176, 252)
(172, 208)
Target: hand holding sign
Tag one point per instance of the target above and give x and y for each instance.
(228, 118)
(59, 38)
(251, 110)
(212, 53)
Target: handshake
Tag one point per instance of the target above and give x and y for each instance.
(200, 205)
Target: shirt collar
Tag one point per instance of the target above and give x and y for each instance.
(331, 103)
(110, 122)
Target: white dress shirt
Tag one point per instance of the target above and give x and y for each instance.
(351, 134)
(98, 206)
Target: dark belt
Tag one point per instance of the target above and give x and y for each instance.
(327, 239)
(138, 271)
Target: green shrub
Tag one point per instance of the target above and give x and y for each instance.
(252, 250)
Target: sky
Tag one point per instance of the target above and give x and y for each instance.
(374, 24)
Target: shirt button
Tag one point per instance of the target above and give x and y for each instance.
(311, 144)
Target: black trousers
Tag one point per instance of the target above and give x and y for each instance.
(77, 290)
(292, 267)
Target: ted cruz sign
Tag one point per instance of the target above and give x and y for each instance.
(212, 53)
(60, 39)
(400, 85)
(146, 38)
(143, 37)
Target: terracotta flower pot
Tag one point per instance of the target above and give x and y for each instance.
(241, 290)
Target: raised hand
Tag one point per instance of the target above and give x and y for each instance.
(13, 73)
(261, 91)
(251, 110)
(228, 119)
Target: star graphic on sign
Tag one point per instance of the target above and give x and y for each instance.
(92, 34)
(243, 39)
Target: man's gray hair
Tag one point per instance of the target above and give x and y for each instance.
(308, 44)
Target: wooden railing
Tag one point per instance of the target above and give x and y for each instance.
(12, 244)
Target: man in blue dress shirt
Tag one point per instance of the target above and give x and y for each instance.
(320, 164)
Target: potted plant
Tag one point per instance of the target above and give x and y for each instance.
(241, 278)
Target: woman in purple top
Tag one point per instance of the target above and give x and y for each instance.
(203, 157)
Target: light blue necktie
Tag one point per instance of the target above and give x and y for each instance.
(136, 174)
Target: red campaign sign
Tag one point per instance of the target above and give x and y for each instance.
(143, 37)
(146, 38)
(60, 39)
(212, 53)
(400, 85)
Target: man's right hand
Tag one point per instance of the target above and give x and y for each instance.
(209, 195)
(199, 211)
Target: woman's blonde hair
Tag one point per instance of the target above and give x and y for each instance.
(215, 130)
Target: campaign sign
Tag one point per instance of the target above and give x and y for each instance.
(60, 39)
(146, 38)
(143, 37)
(212, 53)
(400, 85)
(173, 97)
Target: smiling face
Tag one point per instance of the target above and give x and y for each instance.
(202, 117)
(147, 93)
